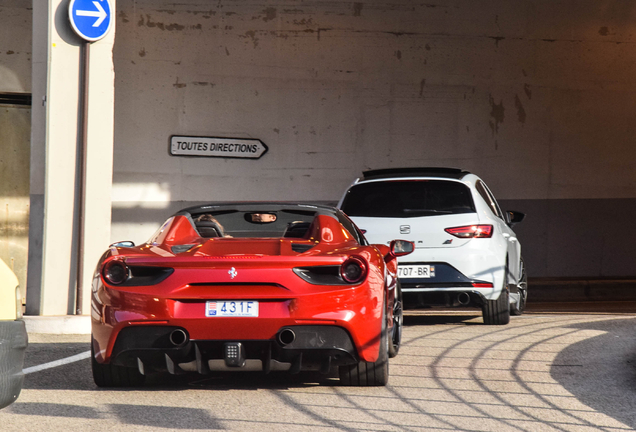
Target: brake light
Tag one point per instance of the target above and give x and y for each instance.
(115, 272)
(471, 231)
(353, 270)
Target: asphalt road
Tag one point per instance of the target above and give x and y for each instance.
(543, 372)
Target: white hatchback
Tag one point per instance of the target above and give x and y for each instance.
(466, 253)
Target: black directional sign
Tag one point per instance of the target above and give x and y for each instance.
(244, 148)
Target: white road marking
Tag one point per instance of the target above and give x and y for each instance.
(56, 363)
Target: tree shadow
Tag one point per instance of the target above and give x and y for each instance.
(601, 371)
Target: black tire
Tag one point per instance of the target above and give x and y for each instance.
(497, 312)
(518, 307)
(108, 375)
(369, 373)
(398, 319)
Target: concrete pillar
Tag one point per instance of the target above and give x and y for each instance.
(55, 159)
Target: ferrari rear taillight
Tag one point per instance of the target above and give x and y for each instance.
(115, 272)
(471, 231)
(353, 270)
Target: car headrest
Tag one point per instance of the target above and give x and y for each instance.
(297, 229)
(209, 229)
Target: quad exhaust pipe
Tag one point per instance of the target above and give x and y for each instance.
(178, 337)
(286, 336)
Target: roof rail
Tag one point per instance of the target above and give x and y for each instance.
(455, 173)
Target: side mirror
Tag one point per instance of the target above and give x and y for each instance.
(399, 248)
(513, 217)
(125, 243)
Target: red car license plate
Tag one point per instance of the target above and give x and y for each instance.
(231, 308)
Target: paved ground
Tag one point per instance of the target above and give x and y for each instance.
(544, 371)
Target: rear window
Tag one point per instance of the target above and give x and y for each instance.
(409, 198)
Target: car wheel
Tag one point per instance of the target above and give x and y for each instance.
(109, 375)
(519, 306)
(369, 373)
(497, 312)
(398, 319)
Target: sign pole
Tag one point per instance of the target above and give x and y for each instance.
(79, 295)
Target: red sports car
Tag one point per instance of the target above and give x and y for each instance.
(248, 286)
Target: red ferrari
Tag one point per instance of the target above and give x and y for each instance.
(244, 287)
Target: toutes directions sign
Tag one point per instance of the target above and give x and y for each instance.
(244, 148)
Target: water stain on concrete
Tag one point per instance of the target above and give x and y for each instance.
(123, 17)
(422, 84)
(398, 54)
(179, 85)
(142, 52)
(497, 39)
(526, 88)
(603, 31)
(270, 14)
(162, 26)
(357, 9)
(497, 114)
(251, 34)
(303, 22)
(521, 112)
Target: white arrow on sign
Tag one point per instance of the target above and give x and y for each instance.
(100, 14)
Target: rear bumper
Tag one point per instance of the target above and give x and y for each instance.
(357, 311)
(13, 343)
(457, 268)
(444, 286)
(295, 348)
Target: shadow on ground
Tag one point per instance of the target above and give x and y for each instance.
(601, 371)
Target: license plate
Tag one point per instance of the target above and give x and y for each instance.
(231, 308)
(416, 271)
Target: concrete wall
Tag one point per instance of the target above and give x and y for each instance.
(56, 232)
(15, 46)
(535, 96)
(15, 130)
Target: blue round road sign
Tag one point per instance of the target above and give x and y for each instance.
(91, 19)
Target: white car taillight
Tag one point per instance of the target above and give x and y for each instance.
(471, 231)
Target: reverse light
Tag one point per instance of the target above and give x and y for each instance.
(471, 231)
(115, 272)
(353, 270)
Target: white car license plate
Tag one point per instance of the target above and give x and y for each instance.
(231, 308)
(416, 271)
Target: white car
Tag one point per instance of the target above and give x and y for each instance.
(466, 253)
